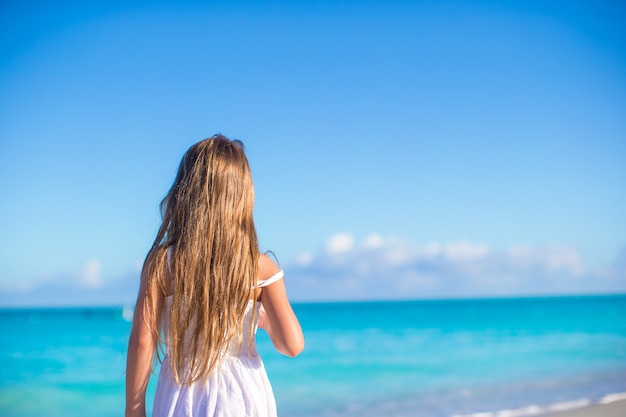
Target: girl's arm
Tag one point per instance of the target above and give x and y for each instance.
(279, 320)
(141, 347)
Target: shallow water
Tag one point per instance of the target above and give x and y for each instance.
(430, 358)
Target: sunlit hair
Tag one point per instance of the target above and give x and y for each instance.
(208, 228)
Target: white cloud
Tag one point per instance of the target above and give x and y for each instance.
(83, 286)
(90, 275)
(304, 258)
(138, 266)
(465, 251)
(372, 242)
(381, 267)
(339, 243)
(554, 258)
(375, 268)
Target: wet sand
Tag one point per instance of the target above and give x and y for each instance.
(612, 409)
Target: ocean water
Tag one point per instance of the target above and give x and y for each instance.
(404, 358)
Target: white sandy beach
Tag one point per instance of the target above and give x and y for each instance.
(611, 405)
(615, 408)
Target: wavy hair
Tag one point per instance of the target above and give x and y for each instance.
(205, 256)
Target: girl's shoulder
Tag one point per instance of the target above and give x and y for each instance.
(267, 267)
(268, 273)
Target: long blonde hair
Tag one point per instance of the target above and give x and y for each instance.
(211, 268)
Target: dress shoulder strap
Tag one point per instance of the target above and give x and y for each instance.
(265, 282)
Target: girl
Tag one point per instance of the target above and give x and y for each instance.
(204, 289)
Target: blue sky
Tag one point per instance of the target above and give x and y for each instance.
(399, 149)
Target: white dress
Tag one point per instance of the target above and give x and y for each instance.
(238, 388)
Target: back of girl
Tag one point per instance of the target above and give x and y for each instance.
(205, 289)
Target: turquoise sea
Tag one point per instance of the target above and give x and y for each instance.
(401, 358)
